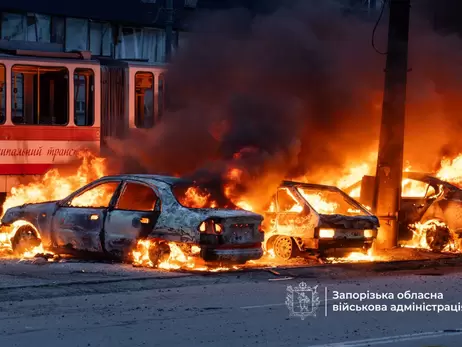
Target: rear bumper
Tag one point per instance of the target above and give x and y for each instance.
(230, 254)
(344, 238)
(344, 243)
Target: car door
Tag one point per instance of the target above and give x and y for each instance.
(132, 217)
(78, 223)
(270, 220)
(416, 198)
(292, 215)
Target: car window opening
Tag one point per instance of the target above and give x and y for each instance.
(191, 195)
(137, 197)
(96, 197)
(287, 202)
(326, 201)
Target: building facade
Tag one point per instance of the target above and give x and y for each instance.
(132, 30)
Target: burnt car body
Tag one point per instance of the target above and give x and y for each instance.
(431, 199)
(134, 207)
(316, 218)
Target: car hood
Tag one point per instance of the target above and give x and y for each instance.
(348, 222)
(27, 211)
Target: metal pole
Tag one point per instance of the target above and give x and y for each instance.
(387, 192)
(169, 29)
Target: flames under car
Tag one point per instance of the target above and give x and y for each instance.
(316, 218)
(110, 215)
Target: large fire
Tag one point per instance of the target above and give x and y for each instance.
(55, 186)
(450, 171)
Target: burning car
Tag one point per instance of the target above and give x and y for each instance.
(430, 213)
(110, 215)
(310, 217)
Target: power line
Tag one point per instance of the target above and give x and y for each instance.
(384, 2)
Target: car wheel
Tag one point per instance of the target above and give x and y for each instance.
(25, 240)
(438, 238)
(284, 247)
(158, 253)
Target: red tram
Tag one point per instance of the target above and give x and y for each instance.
(54, 104)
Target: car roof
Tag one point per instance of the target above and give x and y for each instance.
(307, 185)
(170, 180)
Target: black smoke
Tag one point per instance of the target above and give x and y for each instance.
(296, 91)
(273, 95)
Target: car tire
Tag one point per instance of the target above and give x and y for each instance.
(25, 240)
(158, 253)
(439, 238)
(284, 247)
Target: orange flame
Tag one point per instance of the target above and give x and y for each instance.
(451, 170)
(53, 186)
(176, 260)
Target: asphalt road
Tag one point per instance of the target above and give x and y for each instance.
(81, 304)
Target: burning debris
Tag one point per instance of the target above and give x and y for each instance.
(173, 259)
(433, 235)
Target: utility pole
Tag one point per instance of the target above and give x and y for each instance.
(168, 29)
(387, 192)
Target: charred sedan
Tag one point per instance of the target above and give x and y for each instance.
(426, 202)
(310, 217)
(110, 215)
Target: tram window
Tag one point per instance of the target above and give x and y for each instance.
(144, 100)
(2, 94)
(84, 97)
(161, 96)
(39, 95)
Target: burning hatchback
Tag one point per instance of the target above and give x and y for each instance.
(112, 214)
(310, 217)
(431, 210)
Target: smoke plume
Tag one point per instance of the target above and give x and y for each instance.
(298, 91)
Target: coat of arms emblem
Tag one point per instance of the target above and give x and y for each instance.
(302, 300)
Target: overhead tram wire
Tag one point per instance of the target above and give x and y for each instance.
(382, 10)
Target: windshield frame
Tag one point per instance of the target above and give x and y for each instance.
(319, 187)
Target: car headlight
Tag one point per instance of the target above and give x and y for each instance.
(326, 233)
(369, 233)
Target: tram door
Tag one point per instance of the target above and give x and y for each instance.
(114, 122)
